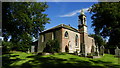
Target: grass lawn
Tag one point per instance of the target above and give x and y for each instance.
(24, 60)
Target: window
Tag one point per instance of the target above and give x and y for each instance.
(76, 40)
(52, 35)
(66, 34)
(85, 21)
(79, 23)
(43, 38)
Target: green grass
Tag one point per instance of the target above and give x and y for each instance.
(24, 60)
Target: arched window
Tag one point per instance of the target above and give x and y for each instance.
(52, 36)
(79, 22)
(76, 40)
(85, 21)
(66, 34)
(43, 38)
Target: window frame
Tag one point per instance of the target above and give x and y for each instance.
(53, 36)
(43, 38)
(76, 41)
(66, 32)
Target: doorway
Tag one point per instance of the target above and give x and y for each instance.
(66, 49)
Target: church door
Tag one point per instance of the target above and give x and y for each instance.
(66, 49)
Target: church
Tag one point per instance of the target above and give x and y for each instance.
(71, 40)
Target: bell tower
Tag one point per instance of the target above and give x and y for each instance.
(82, 27)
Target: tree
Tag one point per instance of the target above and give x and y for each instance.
(52, 46)
(106, 21)
(22, 21)
(98, 39)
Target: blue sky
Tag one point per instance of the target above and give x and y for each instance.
(67, 13)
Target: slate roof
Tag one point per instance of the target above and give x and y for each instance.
(62, 26)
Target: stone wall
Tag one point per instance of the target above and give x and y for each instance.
(48, 36)
(88, 41)
(70, 41)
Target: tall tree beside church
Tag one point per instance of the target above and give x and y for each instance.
(98, 39)
(22, 21)
(106, 20)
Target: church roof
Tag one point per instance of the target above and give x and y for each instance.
(62, 26)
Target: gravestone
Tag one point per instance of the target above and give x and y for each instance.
(97, 51)
(102, 50)
(108, 51)
(32, 48)
(119, 56)
(117, 51)
(28, 51)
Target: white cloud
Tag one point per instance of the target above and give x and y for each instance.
(74, 13)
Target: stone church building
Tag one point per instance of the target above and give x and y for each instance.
(71, 40)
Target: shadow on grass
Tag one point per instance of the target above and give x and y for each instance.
(54, 62)
(6, 61)
(106, 64)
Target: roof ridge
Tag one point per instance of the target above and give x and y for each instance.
(70, 26)
(61, 25)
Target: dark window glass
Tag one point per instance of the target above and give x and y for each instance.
(66, 34)
(76, 40)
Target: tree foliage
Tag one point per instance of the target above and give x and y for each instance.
(23, 20)
(98, 40)
(52, 46)
(106, 20)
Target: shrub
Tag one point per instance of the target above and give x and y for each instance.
(52, 46)
(7, 46)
